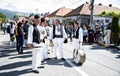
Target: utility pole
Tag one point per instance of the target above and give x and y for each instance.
(91, 7)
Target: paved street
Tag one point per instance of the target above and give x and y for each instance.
(100, 62)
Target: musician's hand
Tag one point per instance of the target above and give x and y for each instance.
(41, 40)
(30, 46)
(51, 43)
(43, 32)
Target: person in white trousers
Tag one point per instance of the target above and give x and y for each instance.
(107, 35)
(57, 36)
(34, 44)
(78, 36)
(43, 37)
(46, 47)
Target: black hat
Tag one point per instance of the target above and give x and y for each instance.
(42, 20)
(36, 17)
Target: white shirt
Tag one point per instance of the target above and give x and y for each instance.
(80, 35)
(57, 32)
(80, 38)
(30, 34)
(12, 29)
(47, 28)
(41, 30)
(108, 32)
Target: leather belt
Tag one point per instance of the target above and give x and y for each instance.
(58, 36)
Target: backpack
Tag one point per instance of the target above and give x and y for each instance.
(36, 34)
(20, 31)
(8, 29)
(25, 28)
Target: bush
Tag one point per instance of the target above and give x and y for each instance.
(2, 17)
(115, 29)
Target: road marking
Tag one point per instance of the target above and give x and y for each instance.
(76, 68)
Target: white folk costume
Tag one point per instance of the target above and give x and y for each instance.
(37, 47)
(43, 34)
(57, 35)
(78, 38)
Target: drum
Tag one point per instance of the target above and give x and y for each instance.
(79, 56)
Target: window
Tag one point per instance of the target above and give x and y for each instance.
(107, 21)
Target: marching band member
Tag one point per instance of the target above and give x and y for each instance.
(78, 36)
(57, 36)
(43, 37)
(34, 44)
(47, 29)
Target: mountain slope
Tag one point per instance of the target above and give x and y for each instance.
(10, 14)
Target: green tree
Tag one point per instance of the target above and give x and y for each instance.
(103, 13)
(115, 28)
(16, 16)
(2, 17)
(106, 13)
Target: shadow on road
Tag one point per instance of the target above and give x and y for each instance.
(110, 49)
(59, 62)
(16, 72)
(25, 55)
(15, 66)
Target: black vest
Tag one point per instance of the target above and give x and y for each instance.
(77, 33)
(61, 30)
(36, 34)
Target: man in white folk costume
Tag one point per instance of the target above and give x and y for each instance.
(43, 38)
(78, 36)
(47, 47)
(35, 45)
(57, 37)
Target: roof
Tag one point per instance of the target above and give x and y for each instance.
(60, 12)
(21, 18)
(84, 10)
(31, 17)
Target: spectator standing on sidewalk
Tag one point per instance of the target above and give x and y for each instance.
(85, 34)
(25, 28)
(70, 30)
(107, 35)
(16, 36)
(12, 28)
(20, 38)
(90, 35)
(97, 33)
(4, 27)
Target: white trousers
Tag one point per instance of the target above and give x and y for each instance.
(107, 41)
(45, 50)
(58, 47)
(36, 57)
(76, 44)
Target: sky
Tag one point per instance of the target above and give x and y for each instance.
(42, 6)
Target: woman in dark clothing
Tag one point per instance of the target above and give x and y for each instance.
(90, 35)
(20, 38)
